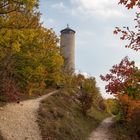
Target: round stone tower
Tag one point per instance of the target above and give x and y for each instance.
(67, 44)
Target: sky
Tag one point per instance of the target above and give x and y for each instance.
(94, 21)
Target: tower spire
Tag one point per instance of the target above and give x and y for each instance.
(67, 25)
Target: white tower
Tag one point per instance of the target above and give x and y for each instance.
(68, 48)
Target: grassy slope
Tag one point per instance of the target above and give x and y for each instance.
(23, 96)
(60, 118)
(123, 133)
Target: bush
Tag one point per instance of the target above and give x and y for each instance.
(134, 123)
(86, 101)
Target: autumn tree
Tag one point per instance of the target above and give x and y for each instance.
(38, 60)
(9, 6)
(130, 3)
(123, 79)
(19, 14)
(133, 36)
(29, 53)
(88, 94)
(123, 82)
(112, 106)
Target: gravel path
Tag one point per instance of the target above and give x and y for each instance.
(102, 132)
(18, 121)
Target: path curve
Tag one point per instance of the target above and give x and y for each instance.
(19, 121)
(102, 132)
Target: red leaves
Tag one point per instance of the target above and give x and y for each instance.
(124, 33)
(133, 36)
(119, 77)
(130, 3)
(115, 32)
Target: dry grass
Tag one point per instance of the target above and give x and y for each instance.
(123, 132)
(35, 94)
(60, 118)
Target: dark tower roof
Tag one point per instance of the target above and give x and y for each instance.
(67, 30)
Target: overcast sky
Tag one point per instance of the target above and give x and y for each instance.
(97, 49)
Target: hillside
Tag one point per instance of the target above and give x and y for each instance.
(60, 118)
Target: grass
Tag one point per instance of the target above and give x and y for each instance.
(2, 100)
(123, 132)
(2, 104)
(23, 96)
(35, 94)
(60, 118)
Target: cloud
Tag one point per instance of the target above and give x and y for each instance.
(50, 20)
(47, 21)
(138, 64)
(93, 4)
(103, 8)
(59, 5)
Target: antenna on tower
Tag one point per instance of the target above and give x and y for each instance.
(67, 25)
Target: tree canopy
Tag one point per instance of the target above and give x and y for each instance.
(29, 53)
(133, 36)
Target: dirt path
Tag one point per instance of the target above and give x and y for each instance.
(18, 121)
(102, 132)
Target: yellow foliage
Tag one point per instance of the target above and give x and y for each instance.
(16, 47)
(129, 106)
